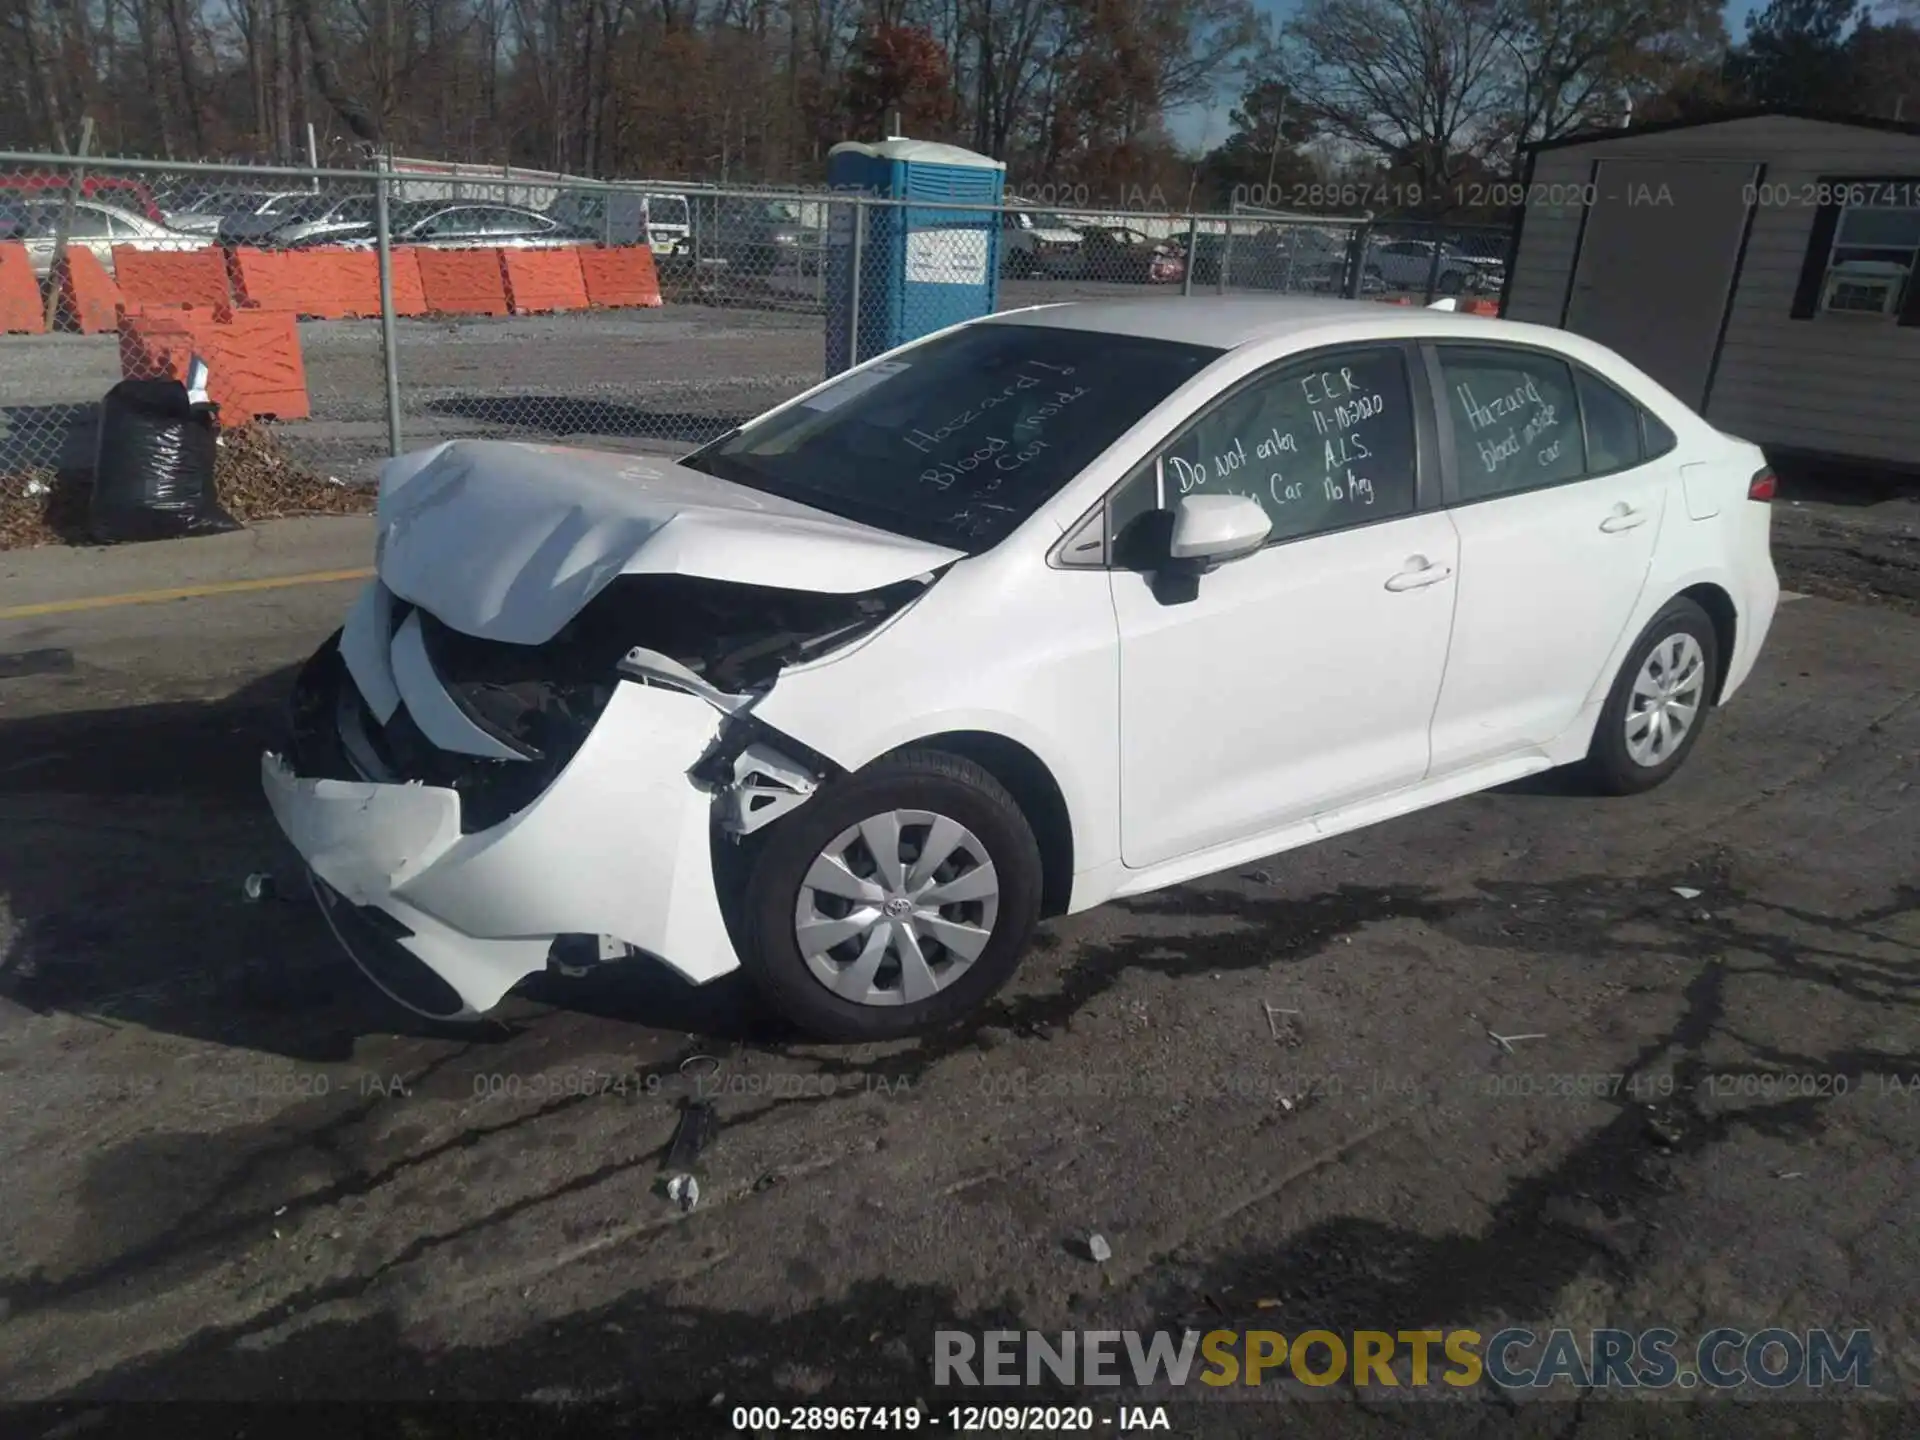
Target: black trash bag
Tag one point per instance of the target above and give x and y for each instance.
(153, 470)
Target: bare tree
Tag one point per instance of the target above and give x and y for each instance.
(1420, 83)
(1573, 63)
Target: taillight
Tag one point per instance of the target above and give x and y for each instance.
(1762, 486)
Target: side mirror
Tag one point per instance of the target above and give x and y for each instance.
(1210, 530)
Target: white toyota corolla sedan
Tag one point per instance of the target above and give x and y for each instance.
(1068, 604)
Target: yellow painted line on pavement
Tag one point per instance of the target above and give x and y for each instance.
(184, 592)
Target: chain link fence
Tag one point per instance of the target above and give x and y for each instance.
(526, 305)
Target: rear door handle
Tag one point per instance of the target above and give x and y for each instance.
(1417, 578)
(1624, 517)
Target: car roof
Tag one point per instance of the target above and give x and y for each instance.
(1229, 322)
(53, 202)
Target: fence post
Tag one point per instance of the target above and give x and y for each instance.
(383, 236)
(1193, 254)
(76, 182)
(1357, 258)
(1226, 258)
(853, 298)
(1433, 266)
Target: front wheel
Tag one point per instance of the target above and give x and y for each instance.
(1658, 703)
(898, 901)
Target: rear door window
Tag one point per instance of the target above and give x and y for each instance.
(1516, 420)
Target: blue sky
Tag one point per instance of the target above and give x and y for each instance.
(1198, 129)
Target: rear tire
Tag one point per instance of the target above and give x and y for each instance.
(908, 800)
(1659, 702)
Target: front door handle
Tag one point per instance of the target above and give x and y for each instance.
(1624, 517)
(1419, 574)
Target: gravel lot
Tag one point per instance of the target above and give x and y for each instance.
(233, 1174)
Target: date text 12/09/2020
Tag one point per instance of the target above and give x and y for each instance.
(958, 1419)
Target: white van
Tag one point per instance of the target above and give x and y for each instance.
(628, 217)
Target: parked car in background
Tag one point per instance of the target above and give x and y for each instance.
(1287, 258)
(454, 225)
(1035, 243)
(1408, 264)
(204, 212)
(262, 226)
(97, 228)
(755, 237)
(341, 216)
(1120, 253)
(117, 190)
(788, 706)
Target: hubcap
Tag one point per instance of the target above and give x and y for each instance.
(895, 909)
(1666, 699)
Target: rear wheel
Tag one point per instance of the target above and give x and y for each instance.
(1658, 704)
(898, 901)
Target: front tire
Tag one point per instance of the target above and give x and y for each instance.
(897, 902)
(1659, 702)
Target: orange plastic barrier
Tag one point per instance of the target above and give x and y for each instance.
(1482, 307)
(253, 357)
(168, 277)
(342, 284)
(89, 300)
(271, 279)
(463, 282)
(22, 311)
(621, 276)
(409, 289)
(156, 342)
(542, 281)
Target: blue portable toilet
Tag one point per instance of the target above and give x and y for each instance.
(921, 267)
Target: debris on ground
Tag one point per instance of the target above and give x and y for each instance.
(684, 1191)
(1098, 1249)
(257, 886)
(1273, 1026)
(254, 479)
(1507, 1042)
(1664, 1130)
(1686, 892)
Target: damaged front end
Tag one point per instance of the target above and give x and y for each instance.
(473, 808)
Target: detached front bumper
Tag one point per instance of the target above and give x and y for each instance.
(618, 846)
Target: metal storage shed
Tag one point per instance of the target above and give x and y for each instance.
(1762, 266)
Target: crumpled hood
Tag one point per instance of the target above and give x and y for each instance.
(509, 541)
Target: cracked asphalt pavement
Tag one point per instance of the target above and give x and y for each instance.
(232, 1172)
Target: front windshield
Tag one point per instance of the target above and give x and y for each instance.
(959, 440)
